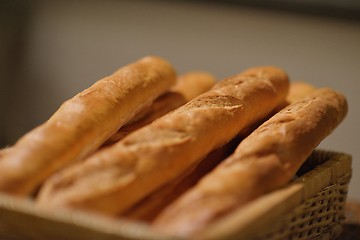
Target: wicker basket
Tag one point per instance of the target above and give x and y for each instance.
(311, 207)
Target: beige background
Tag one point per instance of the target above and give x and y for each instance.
(54, 49)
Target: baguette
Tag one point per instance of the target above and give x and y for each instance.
(83, 123)
(115, 178)
(192, 84)
(148, 208)
(187, 87)
(266, 160)
(299, 90)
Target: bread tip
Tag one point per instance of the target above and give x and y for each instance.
(265, 68)
(150, 58)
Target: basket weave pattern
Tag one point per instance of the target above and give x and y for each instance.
(319, 217)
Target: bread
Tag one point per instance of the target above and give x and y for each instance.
(148, 208)
(115, 178)
(83, 123)
(3, 152)
(299, 90)
(187, 87)
(266, 160)
(191, 84)
(162, 105)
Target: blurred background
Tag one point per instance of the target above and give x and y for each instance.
(50, 50)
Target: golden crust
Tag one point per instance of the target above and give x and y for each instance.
(267, 159)
(187, 87)
(83, 123)
(299, 90)
(191, 84)
(116, 177)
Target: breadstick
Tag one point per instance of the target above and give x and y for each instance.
(115, 178)
(83, 123)
(266, 160)
(188, 86)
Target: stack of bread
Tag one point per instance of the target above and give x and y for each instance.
(177, 152)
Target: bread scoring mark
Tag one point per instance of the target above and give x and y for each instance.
(277, 120)
(154, 137)
(86, 92)
(234, 81)
(213, 101)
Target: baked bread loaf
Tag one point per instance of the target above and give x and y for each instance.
(148, 208)
(264, 161)
(187, 87)
(83, 123)
(299, 90)
(115, 178)
(192, 84)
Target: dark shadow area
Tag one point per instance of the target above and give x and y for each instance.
(14, 19)
(348, 9)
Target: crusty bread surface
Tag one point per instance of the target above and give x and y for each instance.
(188, 86)
(83, 123)
(148, 208)
(264, 161)
(191, 84)
(115, 178)
(299, 90)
